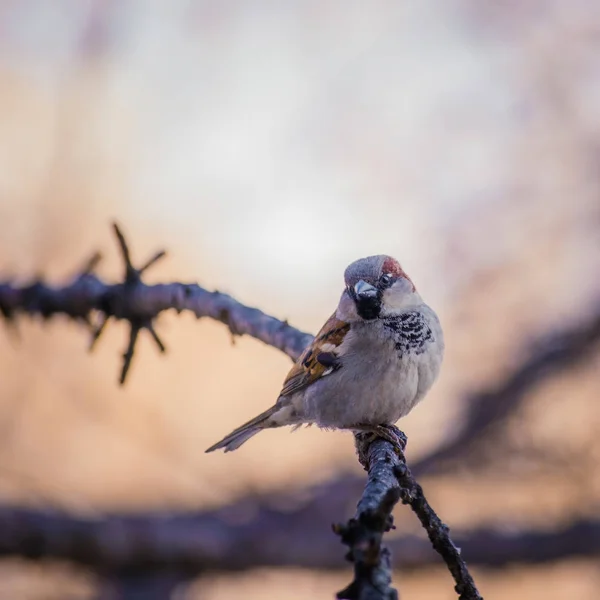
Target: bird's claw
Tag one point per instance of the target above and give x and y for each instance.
(367, 434)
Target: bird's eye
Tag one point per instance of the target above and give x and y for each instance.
(386, 279)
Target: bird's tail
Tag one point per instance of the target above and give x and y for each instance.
(242, 434)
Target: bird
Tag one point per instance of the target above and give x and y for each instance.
(370, 364)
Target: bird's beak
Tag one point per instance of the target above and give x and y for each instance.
(364, 290)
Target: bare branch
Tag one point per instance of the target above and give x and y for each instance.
(438, 532)
(389, 481)
(213, 541)
(364, 533)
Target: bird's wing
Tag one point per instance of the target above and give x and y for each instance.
(319, 359)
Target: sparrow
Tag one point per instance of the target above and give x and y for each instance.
(370, 364)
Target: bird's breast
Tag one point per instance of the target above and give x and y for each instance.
(387, 368)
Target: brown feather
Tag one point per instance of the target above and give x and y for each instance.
(308, 369)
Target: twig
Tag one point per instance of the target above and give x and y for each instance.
(438, 532)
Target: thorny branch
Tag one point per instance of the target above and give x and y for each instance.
(140, 304)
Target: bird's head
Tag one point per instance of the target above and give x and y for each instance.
(376, 287)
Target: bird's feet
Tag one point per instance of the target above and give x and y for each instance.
(366, 434)
(390, 433)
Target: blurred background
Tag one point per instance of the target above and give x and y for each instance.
(266, 145)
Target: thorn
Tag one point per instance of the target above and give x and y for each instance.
(133, 277)
(154, 259)
(122, 244)
(127, 357)
(97, 332)
(91, 264)
(131, 273)
(156, 338)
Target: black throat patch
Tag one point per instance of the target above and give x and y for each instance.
(368, 308)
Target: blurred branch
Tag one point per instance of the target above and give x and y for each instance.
(142, 586)
(558, 352)
(219, 540)
(134, 301)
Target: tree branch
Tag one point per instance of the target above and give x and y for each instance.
(389, 481)
(193, 543)
(134, 301)
(364, 533)
(438, 532)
